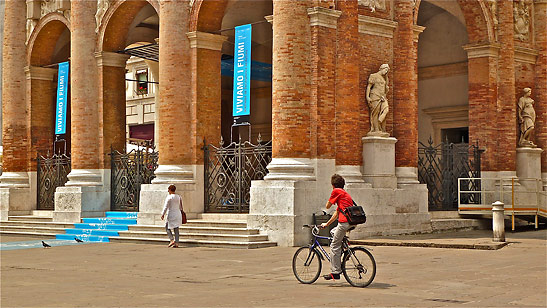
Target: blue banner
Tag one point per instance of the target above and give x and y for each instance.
(242, 72)
(62, 89)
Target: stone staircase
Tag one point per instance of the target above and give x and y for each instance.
(226, 231)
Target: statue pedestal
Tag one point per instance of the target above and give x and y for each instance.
(379, 161)
(529, 167)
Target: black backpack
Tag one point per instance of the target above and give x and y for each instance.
(355, 214)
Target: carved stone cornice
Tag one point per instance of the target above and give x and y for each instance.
(39, 73)
(205, 40)
(376, 26)
(482, 50)
(323, 17)
(526, 55)
(113, 59)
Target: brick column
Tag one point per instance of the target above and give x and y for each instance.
(206, 89)
(85, 141)
(175, 142)
(507, 97)
(483, 96)
(405, 94)
(112, 103)
(323, 23)
(348, 136)
(14, 108)
(291, 93)
(540, 92)
(41, 100)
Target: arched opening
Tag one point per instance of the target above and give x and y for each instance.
(129, 83)
(442, 73)
(49, 45)
(240, 13)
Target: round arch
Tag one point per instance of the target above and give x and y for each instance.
(44, 40)
(117, 21)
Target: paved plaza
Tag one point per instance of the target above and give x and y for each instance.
(144, 275)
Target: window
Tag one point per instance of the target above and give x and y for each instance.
(142, 82)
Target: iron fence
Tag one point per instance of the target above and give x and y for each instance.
(52, 172)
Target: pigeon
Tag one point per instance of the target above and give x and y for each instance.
(78, 240)
(45, 244)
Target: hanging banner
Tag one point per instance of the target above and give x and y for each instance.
(62, 88)
(242, 74)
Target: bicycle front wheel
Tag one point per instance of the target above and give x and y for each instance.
(359, 267)
(306, 265)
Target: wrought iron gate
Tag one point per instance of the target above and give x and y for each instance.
(440, 167)
(52, 172)
(229, 171)
(129, 171)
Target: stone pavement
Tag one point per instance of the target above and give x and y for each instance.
(139, 275)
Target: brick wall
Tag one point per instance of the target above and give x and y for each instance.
(539, 94)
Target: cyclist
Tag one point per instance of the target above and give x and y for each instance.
(342, 199)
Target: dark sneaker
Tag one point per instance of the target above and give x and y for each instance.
(331, 276)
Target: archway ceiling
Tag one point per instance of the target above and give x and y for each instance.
(451, 7)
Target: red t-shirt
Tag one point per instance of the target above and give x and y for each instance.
(341, 198)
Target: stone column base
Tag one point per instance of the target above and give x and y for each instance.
(72, 203)
(14, 201)
(152, 197)
(379, 161)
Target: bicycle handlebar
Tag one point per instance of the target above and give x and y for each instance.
(314, 229)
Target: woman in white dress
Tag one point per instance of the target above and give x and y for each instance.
(173, 208)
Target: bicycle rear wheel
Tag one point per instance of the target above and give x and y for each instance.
(359, 267)
(306, 265)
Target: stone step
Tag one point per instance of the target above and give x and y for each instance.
(36, 229)
(197, 229)
(453, 224)
(42, 213)
(29, 218)
(198, 236)
(193, 243)
(221, 217)
(110, 220)
(37, 224)
(217, 224)
(29, 233)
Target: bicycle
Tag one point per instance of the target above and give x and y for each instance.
(358, 264)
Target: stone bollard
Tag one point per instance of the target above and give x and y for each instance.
(498, 223)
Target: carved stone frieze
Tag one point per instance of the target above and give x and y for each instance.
(374, 4)
(493, 7)
(48, 6)
(521, 16)
(102, 7)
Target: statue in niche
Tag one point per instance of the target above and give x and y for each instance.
(377, 89)
(521, 16)
(527, 119)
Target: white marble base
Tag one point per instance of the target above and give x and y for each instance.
(72, 203)
(407, 176)
(291, 169)
(152, 197)
(379, 162)
(174, 174)
(85, 177)
(351, 174)
(14, 179)
(14, 200)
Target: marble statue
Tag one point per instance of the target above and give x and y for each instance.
(377, 89)
(527, 119)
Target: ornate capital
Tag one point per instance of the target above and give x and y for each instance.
(205, 40)
(482, 50)
(111, 59)
(323, 17)
(39, 73)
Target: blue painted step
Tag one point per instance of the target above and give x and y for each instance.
(99, 229)
(108, 220)
(101, 226)
(122, 214)
(84, 237)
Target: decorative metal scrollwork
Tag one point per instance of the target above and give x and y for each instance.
(440, 167)
(129, 171)
(229, 171)
(52, 172)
